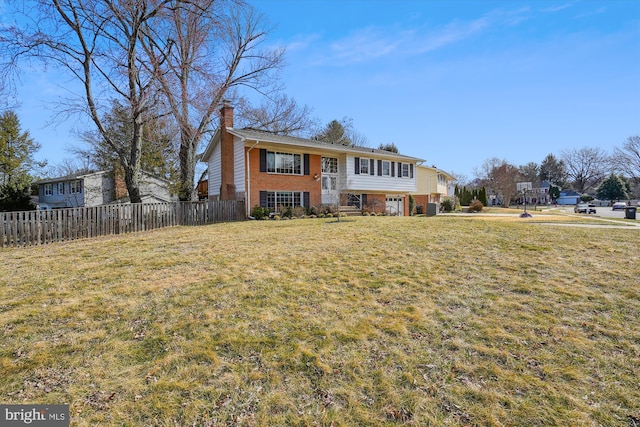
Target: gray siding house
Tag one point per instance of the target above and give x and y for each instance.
(97, 188)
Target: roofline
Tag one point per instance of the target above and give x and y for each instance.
(438, 170)
(69, 177)
(302, 142)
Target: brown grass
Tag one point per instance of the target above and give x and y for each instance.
(375, 321)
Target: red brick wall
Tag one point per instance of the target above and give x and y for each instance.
(262, 181)
(422, 200)
(375, 203)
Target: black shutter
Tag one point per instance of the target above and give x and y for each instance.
(399, 170)
(305, 200)
(379, 167)
(263, 198)
(357, 165)
(371, 166)
(263, 162)
(363, 200)
(410, 170)
(306, 164)
(393, 166)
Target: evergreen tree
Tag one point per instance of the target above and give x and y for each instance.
(17, 149)
(613, 188)
(388, 147)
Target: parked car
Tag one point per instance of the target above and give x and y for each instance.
(619, 205)
(585, 208)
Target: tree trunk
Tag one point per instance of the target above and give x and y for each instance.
(132, 167)
(187, 169)
(131, 179)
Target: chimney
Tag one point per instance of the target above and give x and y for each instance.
(227, 187)
(226, 114)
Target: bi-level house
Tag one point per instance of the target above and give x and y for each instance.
(276, 171)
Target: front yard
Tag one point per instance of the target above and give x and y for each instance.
(372, 321)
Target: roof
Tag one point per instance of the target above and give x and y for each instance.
(268, 137)
(70, 177)
(440, 171)
(82, 175)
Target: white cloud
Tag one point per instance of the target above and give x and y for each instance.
(554, 9)
(373, 43)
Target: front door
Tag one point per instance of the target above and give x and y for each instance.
(330, 190)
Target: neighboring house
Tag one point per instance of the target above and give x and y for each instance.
(432, 185)
(539, 194)
(569, 197)
(97, 188)
(276, 171)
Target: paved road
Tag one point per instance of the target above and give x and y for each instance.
(604, 212)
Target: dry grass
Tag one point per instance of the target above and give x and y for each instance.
(376, 321)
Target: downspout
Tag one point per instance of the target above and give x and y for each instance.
(248, 195)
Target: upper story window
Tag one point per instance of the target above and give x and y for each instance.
(329, 165)
(364, 166)
(48, 190)
(61, 188)
(405, 170)
(386, 168)
(284, 163)
(75, 187)
(441, 179)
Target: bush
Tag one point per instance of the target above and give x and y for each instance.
(447, 205)
(258, 212)
(475, 206)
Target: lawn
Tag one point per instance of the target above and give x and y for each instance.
(444, 321)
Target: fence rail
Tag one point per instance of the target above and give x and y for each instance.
(43, 227)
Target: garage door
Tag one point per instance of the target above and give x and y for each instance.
(395, 206)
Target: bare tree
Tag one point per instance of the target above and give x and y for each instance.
(500, 177)
(586, 167)
(97, 42)
(157, 150)
(279, 115)
(627, 160)
(202, 50)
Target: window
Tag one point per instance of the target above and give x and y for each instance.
(61, 188)
(405, 170)
(75, 187)
(48, 190)
(277, 200)
(364, 166)
(386, 168)
(441, 179)
(329, 165)
(329, 183)
(286, 163)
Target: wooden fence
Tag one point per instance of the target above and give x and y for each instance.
(44, 227)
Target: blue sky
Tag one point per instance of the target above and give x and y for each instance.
(451, 82)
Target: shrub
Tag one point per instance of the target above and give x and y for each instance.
(299, 211)
(475, 206)
(258, 212)
(447, 204)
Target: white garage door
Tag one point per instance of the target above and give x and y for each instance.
(395, 205)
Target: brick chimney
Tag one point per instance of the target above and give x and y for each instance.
(227, 186)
